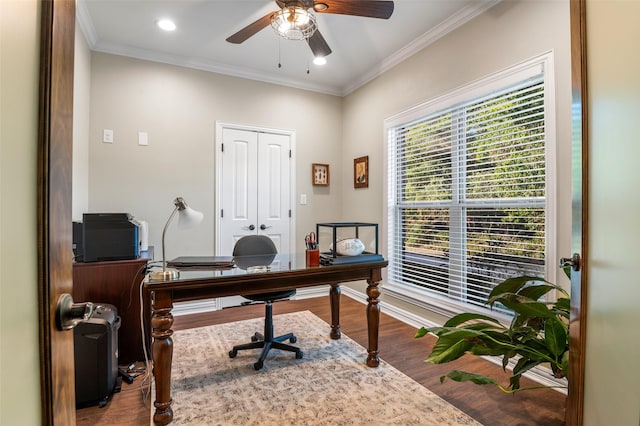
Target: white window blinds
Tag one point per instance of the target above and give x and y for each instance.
(467, 188)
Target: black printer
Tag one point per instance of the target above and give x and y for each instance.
(106, 236)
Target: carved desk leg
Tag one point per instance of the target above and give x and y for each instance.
(373, 317)
(161, 322)
(334, 299)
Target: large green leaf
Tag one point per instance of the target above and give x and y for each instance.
(452, 345)
(487, 350)
(527, 308)
(512, 285)
(463, 376)
(555, 336)
(467, 316)
(535, 292)
(448, 353)
(478, 326)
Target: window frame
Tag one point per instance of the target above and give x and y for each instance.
(542, 64)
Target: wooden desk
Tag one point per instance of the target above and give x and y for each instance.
(287, 272)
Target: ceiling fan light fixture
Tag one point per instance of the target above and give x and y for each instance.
(294, 23)
(319, 60)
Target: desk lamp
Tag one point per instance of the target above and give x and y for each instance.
(187, 218)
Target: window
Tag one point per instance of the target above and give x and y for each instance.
(468, 188)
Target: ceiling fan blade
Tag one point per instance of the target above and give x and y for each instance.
(318, 45)
(250, 29)
(366, 8)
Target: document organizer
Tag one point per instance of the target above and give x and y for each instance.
(340, 230)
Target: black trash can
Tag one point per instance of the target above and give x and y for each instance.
(96, 356)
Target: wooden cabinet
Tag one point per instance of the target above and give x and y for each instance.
(116, 282)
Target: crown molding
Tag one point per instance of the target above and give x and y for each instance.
(86, 25)
(453, 22)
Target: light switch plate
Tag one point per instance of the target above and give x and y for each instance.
(143, 138)
(303, 199)
(107, 136)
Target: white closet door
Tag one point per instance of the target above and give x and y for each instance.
(254, 188)
(274, 189)
(239, 187)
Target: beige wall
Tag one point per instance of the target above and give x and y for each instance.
(612, 394)
(19, 353)
(505, 35)
(178, 108)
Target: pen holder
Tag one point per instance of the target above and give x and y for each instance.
(312, 257)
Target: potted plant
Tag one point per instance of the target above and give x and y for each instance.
(538, 333)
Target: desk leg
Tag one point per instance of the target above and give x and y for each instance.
(334, 299)
(373, 318)
(161, 322)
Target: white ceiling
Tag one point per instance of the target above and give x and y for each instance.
(362, 47)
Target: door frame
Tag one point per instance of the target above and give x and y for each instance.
(574, 411)
(55, 269)
(57, 34)
(220, 126)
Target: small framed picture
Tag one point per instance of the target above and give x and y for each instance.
(361, 172)
(320, 174)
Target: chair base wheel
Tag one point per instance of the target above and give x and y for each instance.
(299, 355)
(233, 353)
(258, 365)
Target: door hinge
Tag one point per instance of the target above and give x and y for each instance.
(289, 153)
(289, 212)
(221, 213)
(222, 147)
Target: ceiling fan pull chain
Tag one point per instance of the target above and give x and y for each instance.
(279, 63)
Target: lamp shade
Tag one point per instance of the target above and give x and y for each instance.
(189, 217)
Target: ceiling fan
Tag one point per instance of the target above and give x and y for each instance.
(294, 21)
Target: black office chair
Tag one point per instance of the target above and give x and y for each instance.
(259, 250)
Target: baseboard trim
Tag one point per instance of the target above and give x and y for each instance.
(195, 307)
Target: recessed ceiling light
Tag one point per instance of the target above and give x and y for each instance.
(320, 7)
(319, 60)
(166, 24)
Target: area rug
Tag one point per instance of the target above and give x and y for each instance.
(331, 385)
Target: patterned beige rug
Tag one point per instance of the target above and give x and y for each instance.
(331, 385)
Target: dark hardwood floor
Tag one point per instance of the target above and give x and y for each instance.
(397, 346)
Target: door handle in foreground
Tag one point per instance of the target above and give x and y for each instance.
(69, 314)
(250, 227)
(573, 261)
(263, 227)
